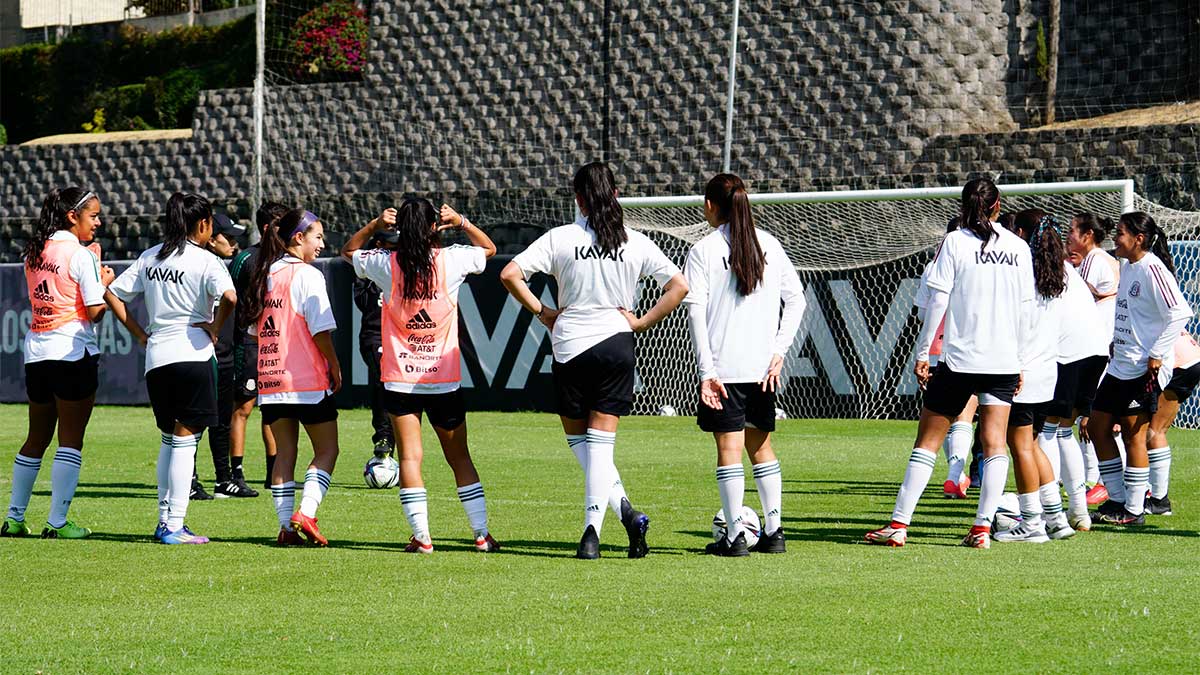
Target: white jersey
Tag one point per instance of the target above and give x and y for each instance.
(310, 299)
(735, 336)
(592, 285)
(989, 291)
(1083, 332)
(74, 339)
(1040, 350)
(1100, 271)
(180, 291)
(1150, 313)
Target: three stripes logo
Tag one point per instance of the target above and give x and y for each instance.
(42, 292)
(268, 328)
(421, 321)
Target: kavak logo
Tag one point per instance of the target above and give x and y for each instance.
(421, 321)
(268, 328)
(42, 291)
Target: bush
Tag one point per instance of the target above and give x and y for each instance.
(3, 135)
(331, 39)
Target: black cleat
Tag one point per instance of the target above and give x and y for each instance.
(589, 545)
(198, 494)
(1112, 516)
(234, 488)
(771, 543)
(636, 523)
(726, 549)
(382, 449)
(1158, 507)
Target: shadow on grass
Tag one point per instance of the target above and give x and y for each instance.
(106, 494)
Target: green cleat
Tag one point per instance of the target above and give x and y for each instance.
(13, 528)
(69, 530)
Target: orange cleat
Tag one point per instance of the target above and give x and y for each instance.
(308, 527)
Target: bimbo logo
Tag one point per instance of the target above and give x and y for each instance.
(421, 321)
(42, 292)
(268, 328)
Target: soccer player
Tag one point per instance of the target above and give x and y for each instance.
(181, 282)
(421, 360)
(737, 276)
(1042, 517)
(980, 265)
(1150, 314)
(597, 263)
(369, 299)
(1183, 382)
(66, 292)
(298, 369)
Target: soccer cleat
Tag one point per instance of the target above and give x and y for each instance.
(159, 531)
(978, 537)
(417, 546)
(1123, 518)
(1023, 532)
(1158, 507)
(887, 536)
(952, 490)
(289, 538)
(235, 488)
(589, 545)
(770, 543)
(1097, 494)
(729, 549)
(1108, 511)
(382, 449)
(183, 536)
(486, 544)
(1059, 527)
(68, 530)
(307, 526)
(198, 494)
(1080, 522)
(636, 523)
(14, 528)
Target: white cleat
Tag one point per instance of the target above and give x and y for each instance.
(1080, 522)
(1024, 532)
(888, 536)
(1059, 528)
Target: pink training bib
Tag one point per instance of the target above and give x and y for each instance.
(1187, 352)
(53, 294)
(420, 337)
(288, 358)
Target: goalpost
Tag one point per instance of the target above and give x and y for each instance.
(859, 254)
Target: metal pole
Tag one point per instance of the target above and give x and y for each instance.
(729, 94)
(260, 48)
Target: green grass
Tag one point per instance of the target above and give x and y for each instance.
(1104, 601)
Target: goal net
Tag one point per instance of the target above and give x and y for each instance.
(859, 254)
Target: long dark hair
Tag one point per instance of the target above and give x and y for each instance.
(1090, 222)
(979, 199)
(728, 193)
(53, 218)
(596, 187)
(1140, 223)
(184, 211)
(268, 213)
(414, 247)
(271, 248)
(1044, 235)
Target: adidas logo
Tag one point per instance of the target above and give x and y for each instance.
(420, 321)
(594, 508)
(268, 328)
(42, 291)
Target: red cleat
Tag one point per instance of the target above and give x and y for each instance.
(308, 527)
(978, 537)
(952, 490)
(417, 546)
(888, 536)
(289, 538)
(1097, 495)
(486, 544)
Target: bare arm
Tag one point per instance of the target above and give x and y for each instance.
(122, 313)
(673, 294)
(514, 280)
(359, 239)
(324, 344)
(453, 220)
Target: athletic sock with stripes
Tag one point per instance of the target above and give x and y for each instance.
(598, 477)
(959, 440)
(1074, 473)
(769, 481)
(316, 484)
(578, 445)
(731, 485)
(163, 472)
(25, 471)
(179, 490)
(475, 505)
(1137, 481)
(64, 478)
(416, 511)
(916, 477)
(993, 476)
(1031, 507)
(1111, 472)
(1051, 500)
(1047, 441)
(284, 497)
(1160, 471)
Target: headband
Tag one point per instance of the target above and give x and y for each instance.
(1047, 222)
(305, 222)
(83, 200)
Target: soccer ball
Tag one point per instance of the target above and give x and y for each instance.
(780, 414)
(750, 526)
(667, 411)
(1008, 513)
(381, 472)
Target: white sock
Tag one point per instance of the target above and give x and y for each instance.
(1120, 441)
(598, 478)
(25, 471)
(284, 497)
(163, 471)
(1091, 463)
(959, 439)
(475, 505)
(1160, 471)
(1111, 471)
(1031, 507)
(1074, 474)
(1137, 481)
(769, 481)
(179, 483)
(1047, 440)
(993, 475)
(1051, 501)
(416, 511)
(731, 485)
(578, 445)
(64, 478)
(916, 477)
(316, 484)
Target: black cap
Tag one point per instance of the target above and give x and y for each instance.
(222, 224)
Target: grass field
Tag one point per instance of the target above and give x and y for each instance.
(1105, 601)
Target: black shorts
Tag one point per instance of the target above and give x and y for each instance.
(245, 373)
(1183, 381)
(184, 392)
(1076, 386)
(445, 411)
(1028, 414)
(600, 380)
(1127, 397)
(305, 413)
(64, 380)
(747, 406)
(948, 391)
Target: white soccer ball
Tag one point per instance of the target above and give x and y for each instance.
(667, 411)
(1008, 513)
(381, 473)
(780, 414)
(750, 526)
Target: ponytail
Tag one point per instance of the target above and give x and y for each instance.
(596, 187)
(53, 218)
(979, 198)
(1090, 222)
(746, 260)
(1140, 223)
(184, 212)
(1045, 236)
(414, 247)
(270, 249)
